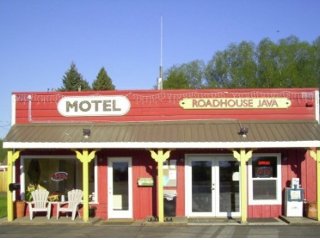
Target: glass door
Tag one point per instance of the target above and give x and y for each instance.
(119, 188)
(228, 193)
(200, 186)
(212, 186)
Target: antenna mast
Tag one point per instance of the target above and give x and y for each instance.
(160, 80)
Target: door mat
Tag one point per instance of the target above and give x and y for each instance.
(118, 222)
(263, 220)
(212, 220)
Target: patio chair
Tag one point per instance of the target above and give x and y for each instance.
(39, 203)
(72, 205)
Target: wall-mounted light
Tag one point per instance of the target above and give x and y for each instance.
(243, 131)
(86, 133)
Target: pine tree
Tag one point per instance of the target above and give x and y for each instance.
(73, 80)
(103, 81)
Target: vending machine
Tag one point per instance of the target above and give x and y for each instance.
(294, 199)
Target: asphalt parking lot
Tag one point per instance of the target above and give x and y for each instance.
(159, 231)
(65, 228)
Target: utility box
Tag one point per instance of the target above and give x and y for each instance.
(170, 203)
(294, 200)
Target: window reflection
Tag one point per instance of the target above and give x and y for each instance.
(58, 176)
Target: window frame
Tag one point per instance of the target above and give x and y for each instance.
(278, 179)
(58, 157)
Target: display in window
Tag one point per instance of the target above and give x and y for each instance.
(58, 176)
(264, 167)
(265, 178)
(263, 172)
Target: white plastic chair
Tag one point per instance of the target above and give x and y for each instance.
(72, 205)
(39, 203)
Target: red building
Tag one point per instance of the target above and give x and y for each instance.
(219, 152)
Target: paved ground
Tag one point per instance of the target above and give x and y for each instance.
(159, 231)
(65, 228)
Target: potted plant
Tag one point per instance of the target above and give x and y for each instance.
(92, 211)
(20, 208)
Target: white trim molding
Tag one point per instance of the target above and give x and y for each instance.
(317, 109)
(278, 200)
(170, 145)
(13, 109)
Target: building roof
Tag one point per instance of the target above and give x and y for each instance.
(165, 134)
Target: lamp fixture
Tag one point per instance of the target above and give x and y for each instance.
(86, 133)
(243, 131)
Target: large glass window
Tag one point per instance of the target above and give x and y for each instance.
(57, 175)
(265, 179)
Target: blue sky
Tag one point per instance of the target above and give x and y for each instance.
(40, 38)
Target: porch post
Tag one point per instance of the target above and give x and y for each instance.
(160, 157)
(12, 157)
(316, 156)
(85, 158)
(242, 156)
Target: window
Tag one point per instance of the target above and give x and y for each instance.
(56, 174)
(265, 179)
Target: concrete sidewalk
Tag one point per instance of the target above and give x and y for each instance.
(282, 220)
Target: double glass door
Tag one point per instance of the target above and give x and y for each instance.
(212, 186)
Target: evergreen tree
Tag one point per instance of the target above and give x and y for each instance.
(103, 81)
(73, 80)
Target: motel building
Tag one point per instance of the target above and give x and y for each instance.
(213, 153)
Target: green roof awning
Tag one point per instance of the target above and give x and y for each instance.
(165, 134)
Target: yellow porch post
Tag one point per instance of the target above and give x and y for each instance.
(12, 157)
(85, 158)
(243, 157)
(160, 157)
(316, 156)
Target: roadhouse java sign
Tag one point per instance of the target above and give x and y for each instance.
(234, 103)
(82, 106)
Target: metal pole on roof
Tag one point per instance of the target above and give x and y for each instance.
(160, 79)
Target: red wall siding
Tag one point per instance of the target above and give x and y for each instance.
(150, 105)
(102, 208)
(144, 198)
(264, 211)
(295, 163)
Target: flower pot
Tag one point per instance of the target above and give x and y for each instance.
(20, 208)
(312, 210)
(92, 212)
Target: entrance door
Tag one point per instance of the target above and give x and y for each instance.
(119, 188)
(212, 186)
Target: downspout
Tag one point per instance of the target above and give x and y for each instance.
(29, 108)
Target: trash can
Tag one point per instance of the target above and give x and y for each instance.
(170, 203)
